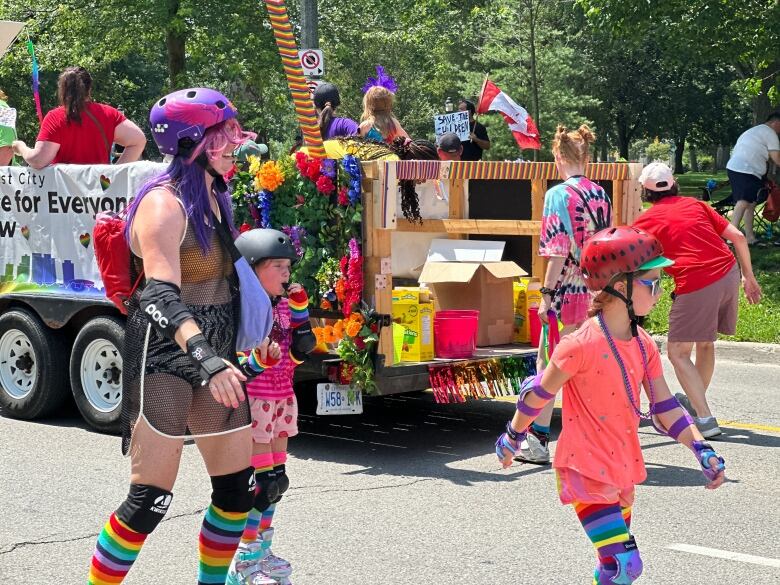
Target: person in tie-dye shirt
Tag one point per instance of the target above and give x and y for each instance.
(573, 211)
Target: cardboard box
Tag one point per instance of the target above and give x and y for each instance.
(469, 274)
(413, 310)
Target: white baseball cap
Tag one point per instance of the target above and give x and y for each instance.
(657, 177)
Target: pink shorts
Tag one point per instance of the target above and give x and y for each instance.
(273, 419)
(574, 487)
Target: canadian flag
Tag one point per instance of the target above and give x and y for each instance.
(491, 98)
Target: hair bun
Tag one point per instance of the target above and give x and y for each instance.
(586, 134)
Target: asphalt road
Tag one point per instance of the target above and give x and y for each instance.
(411, 492)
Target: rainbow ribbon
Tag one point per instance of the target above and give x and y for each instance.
(288, 50)
(36, 92)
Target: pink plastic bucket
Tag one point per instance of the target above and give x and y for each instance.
(535, 325)
(455, 333)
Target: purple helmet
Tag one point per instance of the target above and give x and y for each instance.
(185, 115)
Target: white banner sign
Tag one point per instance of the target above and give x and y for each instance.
(46, 221)
(457, 122)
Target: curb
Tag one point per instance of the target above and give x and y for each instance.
(738, 351)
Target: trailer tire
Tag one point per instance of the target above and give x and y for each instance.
(96, 372)
(33, 360)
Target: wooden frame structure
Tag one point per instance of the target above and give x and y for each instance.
(380, 192)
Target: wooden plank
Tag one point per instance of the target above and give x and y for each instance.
(632, 193)
(538, 263)
(370, 169)
(496, 227)
(457, 203)
(618, 212)
(377, 246)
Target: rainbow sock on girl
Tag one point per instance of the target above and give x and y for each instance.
(604, 524)
(117, 548)
(219, 537)
(263, 463)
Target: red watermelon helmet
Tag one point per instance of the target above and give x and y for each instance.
(619, 250)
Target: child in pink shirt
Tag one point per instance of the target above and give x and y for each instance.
(601, 366)
(272, 401)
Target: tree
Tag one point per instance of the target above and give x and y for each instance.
(742, 33)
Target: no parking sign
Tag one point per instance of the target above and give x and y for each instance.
(312, 62)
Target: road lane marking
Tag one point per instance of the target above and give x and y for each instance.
(725, 554)
(734, 424)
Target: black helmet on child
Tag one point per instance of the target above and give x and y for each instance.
(261, 244)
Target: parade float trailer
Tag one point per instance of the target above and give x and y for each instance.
(60, 336)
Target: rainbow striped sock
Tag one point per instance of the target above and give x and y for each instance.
(627, 516)
(251, 528)
(116, 550)
(219, 538)
(267, 517)
(604, 524)
(262, 463)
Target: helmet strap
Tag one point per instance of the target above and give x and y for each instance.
(627, 299)
(219, 180)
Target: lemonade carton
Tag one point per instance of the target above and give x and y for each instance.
(413, 309)
(527, 296)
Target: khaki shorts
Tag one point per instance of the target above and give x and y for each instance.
(701, 315)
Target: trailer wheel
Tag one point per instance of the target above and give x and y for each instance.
(96, 372)
(33, 359)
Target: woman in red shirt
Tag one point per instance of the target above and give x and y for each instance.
(81, 131)
(706, 282)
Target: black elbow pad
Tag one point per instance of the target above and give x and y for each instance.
(161, 303)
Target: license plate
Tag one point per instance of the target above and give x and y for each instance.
(339, 399)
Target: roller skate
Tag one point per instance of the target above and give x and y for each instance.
(272, 566)
(245, 568)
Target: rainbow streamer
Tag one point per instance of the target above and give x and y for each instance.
(36, 92)
(288, 50)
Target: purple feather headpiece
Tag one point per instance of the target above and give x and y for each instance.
(382, 79)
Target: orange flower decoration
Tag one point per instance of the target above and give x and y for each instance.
(326, 305)
(353, 328)
(338, 329)
(328, 336)
(340, 289)
(269, 177)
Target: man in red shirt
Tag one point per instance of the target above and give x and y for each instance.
(706, 282)
(81, 131)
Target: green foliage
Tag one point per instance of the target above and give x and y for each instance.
(597, 61)
(658, 151)
(324, 227)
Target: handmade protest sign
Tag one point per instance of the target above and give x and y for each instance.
(457, 122)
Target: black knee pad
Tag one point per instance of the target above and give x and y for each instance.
(282, 481)
(234, 492)
(144, 508)
(267, 490)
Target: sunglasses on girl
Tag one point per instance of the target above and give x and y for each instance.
(655, 285)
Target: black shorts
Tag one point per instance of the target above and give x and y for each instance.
(745, 187)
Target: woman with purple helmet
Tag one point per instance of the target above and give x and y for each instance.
(180, 377)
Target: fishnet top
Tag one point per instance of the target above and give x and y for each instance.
(172, 399)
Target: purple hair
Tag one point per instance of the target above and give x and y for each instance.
(187, 178)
